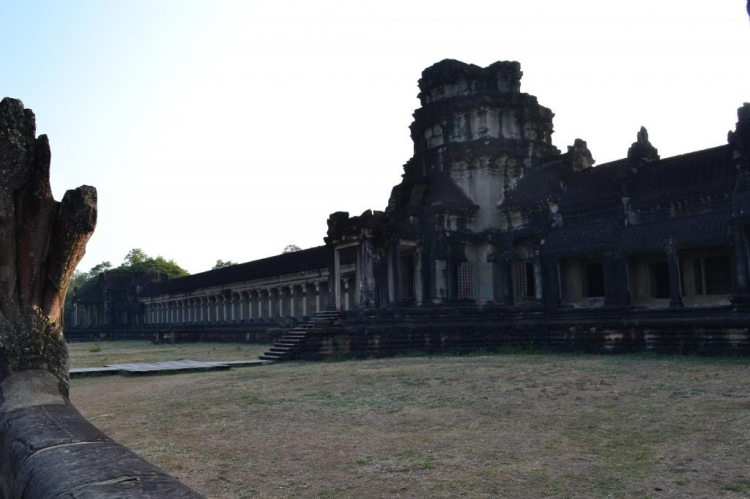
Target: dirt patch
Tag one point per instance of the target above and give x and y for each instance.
(483, 426)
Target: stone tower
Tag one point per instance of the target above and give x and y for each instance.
(478, 130)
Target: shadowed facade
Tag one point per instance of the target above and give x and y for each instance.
(489, 214)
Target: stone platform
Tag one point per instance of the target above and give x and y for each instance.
(167, 367)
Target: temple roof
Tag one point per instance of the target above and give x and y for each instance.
(694, 175)
(287, 263)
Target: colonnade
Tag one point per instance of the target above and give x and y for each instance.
(87, 315)
(256, 305)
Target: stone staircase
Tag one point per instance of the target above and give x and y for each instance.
(286, 346)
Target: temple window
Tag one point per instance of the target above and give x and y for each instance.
(593, 280)
(524, 282)
(712, 275)
(465, 281)
(706, 277)
(659, 273)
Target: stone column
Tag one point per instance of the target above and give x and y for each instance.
(292, 303)
(346, 293)
(507, 264)
(675, 289)
(610, 293)
(333, 276)
(280, 291)
(304, 300)
(241, 301)
(269, 294)
(366, 273)
(550, 281)
(317, 297)
(741, 289)
(441, 282)
(395, 263)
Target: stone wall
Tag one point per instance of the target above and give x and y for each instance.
(260, 334)
(720, 331)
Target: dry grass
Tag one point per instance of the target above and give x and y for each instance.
(480, 426)
(95, 354)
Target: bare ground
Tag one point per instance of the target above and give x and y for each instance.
(479, 426)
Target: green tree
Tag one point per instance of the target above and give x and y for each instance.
(135, 261)
(291, 248)
(220, 264)
(138, 261)
(135, 256)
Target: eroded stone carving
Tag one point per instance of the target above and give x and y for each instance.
(642, 151)
(42, 242)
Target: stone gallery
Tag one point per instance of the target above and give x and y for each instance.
(493, 225)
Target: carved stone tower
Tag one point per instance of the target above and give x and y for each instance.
(477, 128)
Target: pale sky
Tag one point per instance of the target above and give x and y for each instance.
(227, 130)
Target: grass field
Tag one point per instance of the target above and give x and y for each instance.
(95, 354)
(523, 426)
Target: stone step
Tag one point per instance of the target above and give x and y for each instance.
(271, 357)
(286, 343)
(279, 351)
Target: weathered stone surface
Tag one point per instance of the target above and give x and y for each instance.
(47, 449)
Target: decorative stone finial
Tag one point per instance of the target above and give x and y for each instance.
(642, 151)
(739, 139)
(580, 156)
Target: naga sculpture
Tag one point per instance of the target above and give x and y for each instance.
(47, 449)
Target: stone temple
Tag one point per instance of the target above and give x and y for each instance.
(493, 236)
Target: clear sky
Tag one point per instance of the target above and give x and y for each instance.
(227, 130)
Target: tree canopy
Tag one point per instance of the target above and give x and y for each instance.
(291, 248)
(220, 264)
(136, 260)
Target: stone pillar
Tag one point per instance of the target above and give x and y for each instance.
(507, 265)
(366, 273)
(333, 276)
(395, 274)
(550, 281)
(346, 293)
(269, 294)
(610, 293)
(337, 278)
(675, 289)
(441, 281)
(303, 297)
(292, 303)
(741, 289)
(317, 297)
